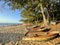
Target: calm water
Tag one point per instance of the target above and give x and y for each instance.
(8, 24)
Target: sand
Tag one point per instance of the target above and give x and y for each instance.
(12, 35)
(55, 41)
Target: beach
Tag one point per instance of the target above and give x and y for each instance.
(12, 35)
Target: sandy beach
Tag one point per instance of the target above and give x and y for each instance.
(12, 35)
(55, 41)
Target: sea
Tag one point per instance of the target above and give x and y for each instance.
(9, 24)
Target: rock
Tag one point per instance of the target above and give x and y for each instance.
(53, 23)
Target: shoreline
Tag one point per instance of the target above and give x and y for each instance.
(9, 34)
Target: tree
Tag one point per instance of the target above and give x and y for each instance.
(54, 9)
(31, 15)
(34, 6)
(27, 15)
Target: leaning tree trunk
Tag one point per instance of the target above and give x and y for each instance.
(47, 17)
(44, 17)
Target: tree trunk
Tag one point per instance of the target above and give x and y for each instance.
(44, 17)
(47, 17)
(37, 19)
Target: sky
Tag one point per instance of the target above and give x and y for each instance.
(7, 15)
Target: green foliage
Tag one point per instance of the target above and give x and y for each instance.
(31, 15)
(32, 12)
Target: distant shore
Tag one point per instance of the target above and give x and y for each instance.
(9, 24)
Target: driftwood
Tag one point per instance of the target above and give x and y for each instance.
(39, 29)
(40, 38)
(49, 35)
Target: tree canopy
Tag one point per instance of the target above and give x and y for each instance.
(36, 10)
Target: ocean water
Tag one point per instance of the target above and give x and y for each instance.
(9, 24)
